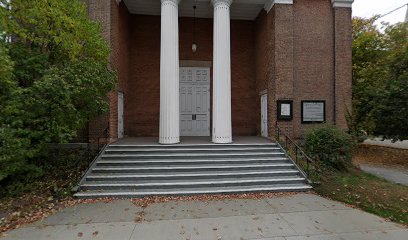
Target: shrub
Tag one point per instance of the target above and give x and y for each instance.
(329, 145)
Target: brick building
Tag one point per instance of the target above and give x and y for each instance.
(254, 64)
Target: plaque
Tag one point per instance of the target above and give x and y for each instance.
(285, 110)
(313, 111)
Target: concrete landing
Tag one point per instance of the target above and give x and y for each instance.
(190, 140)
(297, 217)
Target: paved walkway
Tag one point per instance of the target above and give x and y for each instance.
(391, 174)
(302, 216)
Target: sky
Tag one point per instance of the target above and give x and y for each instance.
(368, 8)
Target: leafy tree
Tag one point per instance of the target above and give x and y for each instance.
(391, 107)
(13, 150)
(380, 79)
(57, 77)
(368, 54)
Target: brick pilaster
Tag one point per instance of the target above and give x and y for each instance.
(280, 70)
(342, 64)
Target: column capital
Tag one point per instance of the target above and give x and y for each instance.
(221, 2)
(171, 1)
(270, 3)
(342, 3)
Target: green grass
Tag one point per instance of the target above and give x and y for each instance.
(367, 192)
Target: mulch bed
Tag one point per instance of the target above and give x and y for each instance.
(145, 202)
(27, 209)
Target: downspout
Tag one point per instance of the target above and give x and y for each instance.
(334, 67)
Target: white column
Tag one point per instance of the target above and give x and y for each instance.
(169, 74)
(222, 131)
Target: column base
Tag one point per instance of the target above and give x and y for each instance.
(169, 141)
(222, 140)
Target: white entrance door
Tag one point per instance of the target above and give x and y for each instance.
(194, 101)
(264, 115)
(121, 128)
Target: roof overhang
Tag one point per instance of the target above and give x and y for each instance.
(240, 9)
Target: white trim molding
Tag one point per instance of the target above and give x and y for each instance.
(270, 3)
(226, 3)
(342, 3)
(118, 1)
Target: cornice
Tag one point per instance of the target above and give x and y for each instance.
(342, 3)
(270, 3)
(173, 1)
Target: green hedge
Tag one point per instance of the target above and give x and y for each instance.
(330, 146)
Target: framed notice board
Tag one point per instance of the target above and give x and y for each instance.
(285, 110)
(313, 111)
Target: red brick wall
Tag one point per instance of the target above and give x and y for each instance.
(143, 101)
(298, 52)
(283, 70)
(262, 49)
(298, 60)
(313, 57)
(243, 79)
(204, 39)
(120, 59)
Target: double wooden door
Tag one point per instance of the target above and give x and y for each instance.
(194, 101)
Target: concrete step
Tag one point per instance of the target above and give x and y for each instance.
(177, 184)
(193, 155)
(148, 162)
(193, 191)
(192, 167)
(146, 170)
(190, 175)
(157, 146)
(119, 150)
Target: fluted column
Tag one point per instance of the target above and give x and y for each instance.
(222, 131)
(169, 74)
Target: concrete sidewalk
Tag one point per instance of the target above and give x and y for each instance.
(301, 216)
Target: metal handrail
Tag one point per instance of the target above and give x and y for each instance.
(100, 150)
(105, 135)
(90, 166)
(297, 150)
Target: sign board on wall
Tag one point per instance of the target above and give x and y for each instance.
(285, 110)
(313, 111)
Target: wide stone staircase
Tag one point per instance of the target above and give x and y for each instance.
(131, 171)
